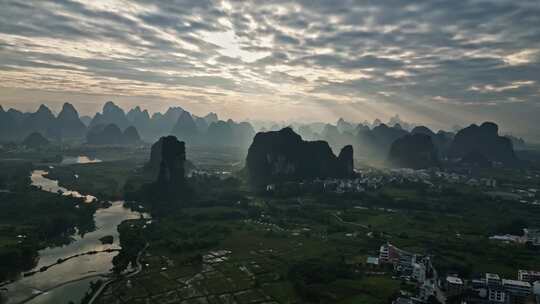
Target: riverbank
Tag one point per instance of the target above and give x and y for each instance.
(131, 274)
(32, 220)
(62, 260)
(73, 262)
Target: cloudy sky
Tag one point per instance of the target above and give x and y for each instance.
(437, 62)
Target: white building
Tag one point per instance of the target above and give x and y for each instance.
(493, 280)
(374, 261)
(497, 295)
(384, 253)
(528, 276)
(517, 288)
(496, 292)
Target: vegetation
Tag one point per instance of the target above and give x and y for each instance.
(312, 277)
(32, 219)
(307, 245)
(105, 180)
(132, 242)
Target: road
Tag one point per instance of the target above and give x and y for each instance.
(105, 284)
(350, 223)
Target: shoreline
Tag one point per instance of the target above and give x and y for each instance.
(92, 252)
(112, 280)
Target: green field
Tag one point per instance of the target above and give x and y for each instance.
(284, 248)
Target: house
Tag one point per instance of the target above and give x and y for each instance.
(496, 292)
(373, 261)
(518, 291)
(496, 295)
(493, 280)
(407, 264)
(388, 253)
(496, 289)
(532, 236)
(528, 276)
(419, 272)
(454, 286)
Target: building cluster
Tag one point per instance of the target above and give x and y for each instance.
(528, 196)
(489, 288)
(347, 185)
(411, 267)
(531, 237)
(372, 179)
(329, 185)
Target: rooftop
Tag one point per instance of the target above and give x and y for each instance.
(516, 283)
(373, 260)
(454, 280)
(529, 272)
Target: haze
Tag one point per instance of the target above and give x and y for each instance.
(438, 63)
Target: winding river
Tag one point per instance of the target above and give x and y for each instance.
(69, 281)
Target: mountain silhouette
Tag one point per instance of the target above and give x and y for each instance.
(415, 151)
(185, 128)
(283, 155)
(484, 140)
(8, 126)
(229, 133)
(111, 134)
(42, 121)
(441, 140)
(69, 124)
(35, 141)
(111, 114)
(130, 136)
(164, 123)
(140, 119)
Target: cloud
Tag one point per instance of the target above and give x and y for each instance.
(393, 53)
(522, 57)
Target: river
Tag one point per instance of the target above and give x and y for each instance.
(69, 281)
(72, 160)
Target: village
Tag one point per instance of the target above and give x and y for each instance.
(376, 178)
(428, 287)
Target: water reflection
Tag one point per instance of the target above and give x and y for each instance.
(58, 282)
(39, 180)
(73, 291)
(72, 160)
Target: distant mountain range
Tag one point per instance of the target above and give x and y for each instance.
(405, 148)
(111, 134)
(371, 141)
(16, 125)
(114, 126)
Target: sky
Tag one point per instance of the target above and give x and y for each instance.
(436, 62)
